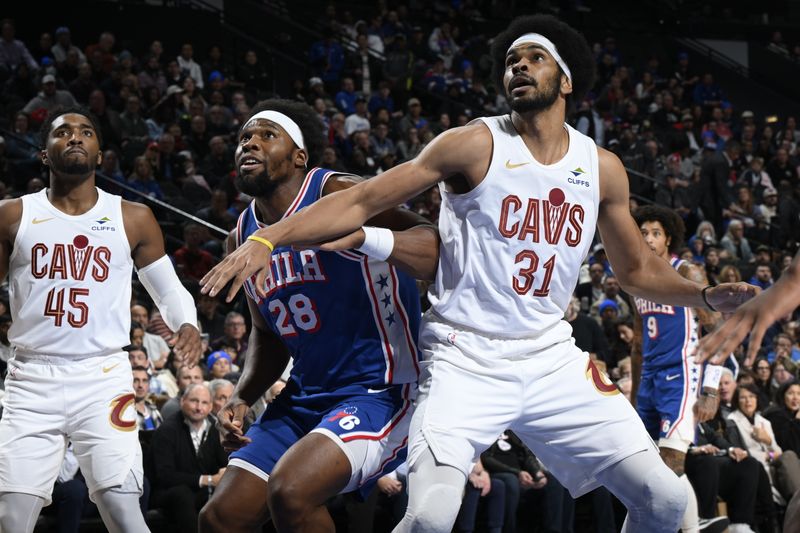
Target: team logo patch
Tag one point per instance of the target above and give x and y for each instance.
(346, 417)
(578, 171)
(103, 220)
(118, 407)
(600, 381)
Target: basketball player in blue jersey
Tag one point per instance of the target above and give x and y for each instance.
(522, 196)
(69, 252)
(348, 319)
(666, 379)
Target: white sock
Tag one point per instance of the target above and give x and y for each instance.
(690, 523)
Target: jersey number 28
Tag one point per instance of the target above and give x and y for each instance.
(299, 311)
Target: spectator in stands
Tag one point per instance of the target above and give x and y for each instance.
(782, 468)
(191, 259)
(757, 179)
(13, 52)
(101, 53)
(762, 373)
(219, 364)
(189, 67)
(217, 165)
(217, 212)
(143, 180)
(326, 58)
(185, 376)
(359, 120)
(187, 459)
(481, 485)
(63, 46)
(716, 193)
(591, 291)
(762, 276)
(346, 97)
(442, 44)
(235, 336)
(587, 333)
(736, 243)
(781, 167)
(785, 416)
(221, 391)
(410, 146)
(727, 387)
(157, 348)
(110, 124)
(363, 66)
(133, 129)
(50, 98)
(611, 291)
(147, 413)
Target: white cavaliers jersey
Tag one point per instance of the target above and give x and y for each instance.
(70, 279)
(512, 247)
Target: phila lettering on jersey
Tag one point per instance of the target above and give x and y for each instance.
(70, 279)
(512, 247)
(346, 319)
(669, 334)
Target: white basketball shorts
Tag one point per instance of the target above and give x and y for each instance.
(474, 387)
(50, 400)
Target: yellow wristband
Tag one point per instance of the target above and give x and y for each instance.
(263, 241)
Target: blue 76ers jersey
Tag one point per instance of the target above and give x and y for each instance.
(345, 318)
(669, 333)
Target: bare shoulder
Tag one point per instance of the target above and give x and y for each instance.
(613, 177)
(136, 211)
(10, 215)
(465, 150)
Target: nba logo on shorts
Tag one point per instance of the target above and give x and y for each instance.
(665, 424)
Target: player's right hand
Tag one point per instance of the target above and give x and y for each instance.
(230, 423)
(250, 258)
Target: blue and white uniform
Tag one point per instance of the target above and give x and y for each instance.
(350, 324)
(670, 380)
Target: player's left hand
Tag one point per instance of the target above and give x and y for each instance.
(187, 346)
(705, 408)
(727, 297)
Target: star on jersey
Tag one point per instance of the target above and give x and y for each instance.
(383, 281)
(387, 300)
(390, 318)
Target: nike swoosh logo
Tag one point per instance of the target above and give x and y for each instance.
(107, 369)
(511, 166)
(376, 391)
(670, 378)
(40, 220)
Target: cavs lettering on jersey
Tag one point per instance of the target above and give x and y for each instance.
(70, 279)
(512, 247)
(345, 318)
(669, 333)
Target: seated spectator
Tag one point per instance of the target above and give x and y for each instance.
(729, 274)
(187, 459)
(146, 411)
(492, 491)
(762, 276)
(512, 463)
(185, 376)
(211, 320)
(587, 333)
(143, 180)
(727, 387)
(48, 99)
(785, 416)
(234, 335)
(157, 348)
(611, 293)
(221, 392)
(783, 348)
(762, 379)
(219, 364)
(736, 243)
(191, 260)
(716, 468)
(137, 355)
(782, 468)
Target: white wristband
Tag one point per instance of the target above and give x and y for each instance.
(711, 376)
(378, 243)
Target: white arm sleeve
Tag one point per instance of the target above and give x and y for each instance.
(170, 296)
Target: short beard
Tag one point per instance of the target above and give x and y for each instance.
(257, 186)
(545, 97)
(76, 169)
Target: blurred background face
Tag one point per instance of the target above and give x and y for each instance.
(727, 386)
(221, 397)
(748, 402)
(792, 398)
(141, 384)
(196, 404)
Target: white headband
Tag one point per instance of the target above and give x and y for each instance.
(547, 44)
(289, 125)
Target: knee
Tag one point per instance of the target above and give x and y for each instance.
(665, 496)
(286, 499)
(437, 512)
(211, 518)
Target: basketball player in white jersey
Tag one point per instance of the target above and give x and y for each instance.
(69, 252)
(522, 196)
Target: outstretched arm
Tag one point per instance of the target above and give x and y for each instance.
(640, 271)
(754, 318)
(158, 276)
(458, 151)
